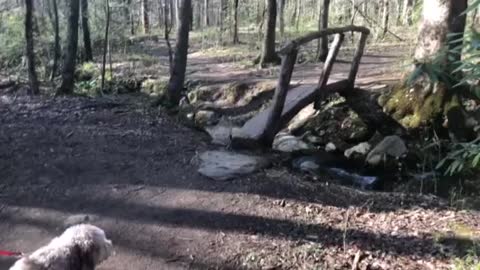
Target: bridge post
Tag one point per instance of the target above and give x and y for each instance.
(357, 58)
(273, 121)
(327, 68)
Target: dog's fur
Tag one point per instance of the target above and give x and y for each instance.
(80, 247)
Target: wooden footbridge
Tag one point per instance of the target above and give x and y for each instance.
(288, 101)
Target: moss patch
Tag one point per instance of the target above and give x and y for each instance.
(87, 71)
(155, 88)
(417, 105)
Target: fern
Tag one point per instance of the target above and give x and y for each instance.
(464, 156)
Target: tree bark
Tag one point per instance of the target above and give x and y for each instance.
(87, 43)
(281, 16)
(385, 19)
(236, 40)
(269, 56)
(56, 48)
(425, 101)
(105, 43)
(206, 19)
(173, 10)
(177, 76)
(323, 24)
(30, 51)
(167, 28)
(407, 12)
(145, 17)
(68, 74)
(177, 12)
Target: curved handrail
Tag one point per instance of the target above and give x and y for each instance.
(294, 44)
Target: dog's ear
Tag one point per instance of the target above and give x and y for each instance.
(82, 259)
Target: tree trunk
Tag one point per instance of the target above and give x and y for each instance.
(425, 101)
(323, 24)
(177, 76)
(105, 43)
(385, 18)
(56, 48)
(167, 28)
(177, 12)
(145, 17)
(173, 9)
(294, 14)
(407, 12)
(131, 19)
(87, 43)
(236, 40)
(398, 15)
(206, 20)
(269, 56)
(223, 18)
(32, 75)
(68, 74)
(281, 19)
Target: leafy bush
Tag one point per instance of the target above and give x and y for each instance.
(463, 157)
(469, 262)
(12, 41)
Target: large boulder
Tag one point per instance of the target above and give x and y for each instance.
(222, 165)
(390, 146)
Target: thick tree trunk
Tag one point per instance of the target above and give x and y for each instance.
(425, 101)
(87, 43)
(68, 74)
(269, 56)
(32, 75)
(56, 48)
(236, 40)
(323, 24)
(145, 17)
(177, 76)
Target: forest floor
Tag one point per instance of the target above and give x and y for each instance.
(132, 170)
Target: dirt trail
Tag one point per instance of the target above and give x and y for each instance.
(132, 170)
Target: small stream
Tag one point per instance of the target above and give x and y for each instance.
(326, 164)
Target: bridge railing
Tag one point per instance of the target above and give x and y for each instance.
(289, 55)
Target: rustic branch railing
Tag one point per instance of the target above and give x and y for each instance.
(327, 68)
(289, 56)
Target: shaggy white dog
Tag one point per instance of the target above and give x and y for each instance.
(80, 247)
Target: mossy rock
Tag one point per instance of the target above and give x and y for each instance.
(233, 92)
(155, 88)
(87, 71)
(201, 94)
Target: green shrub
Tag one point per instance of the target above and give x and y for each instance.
(12, 42)
(463, 157)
